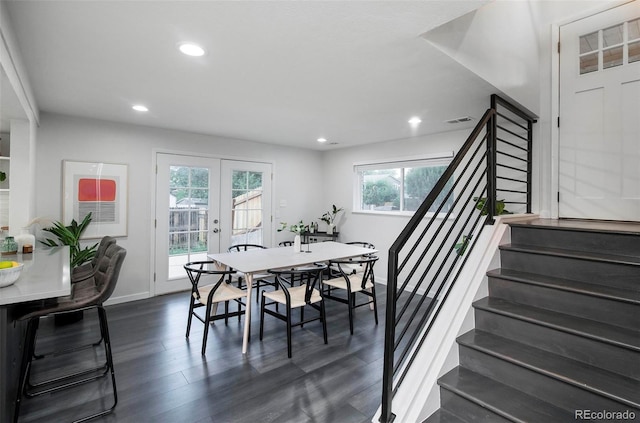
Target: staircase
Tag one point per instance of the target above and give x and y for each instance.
(558, 337)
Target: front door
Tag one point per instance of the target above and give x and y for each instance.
(599, 136)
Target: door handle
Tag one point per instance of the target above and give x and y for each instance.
(216, 230)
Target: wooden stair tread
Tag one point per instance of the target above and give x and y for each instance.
(580, 255)
(602, 382)
(622, 337)
(443, 416)
(491, 395)
(623, 228)
(596, 290)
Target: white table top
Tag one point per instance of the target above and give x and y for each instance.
(46, 274)
(260, 260)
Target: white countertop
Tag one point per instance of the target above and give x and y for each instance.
(46, 274)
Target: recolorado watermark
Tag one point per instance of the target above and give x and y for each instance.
(604, 415)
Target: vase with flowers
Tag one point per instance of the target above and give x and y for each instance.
(330, 217)
(298, 229)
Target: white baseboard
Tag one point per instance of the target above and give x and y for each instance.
(127, 298)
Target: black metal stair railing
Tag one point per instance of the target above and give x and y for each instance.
(490, 175)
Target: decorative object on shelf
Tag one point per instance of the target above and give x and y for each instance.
(3, 176)
(500, 206)
(70, 235)
(330, 217)
(9, 246)
(97, 188)
(298, 229)
(26, 241)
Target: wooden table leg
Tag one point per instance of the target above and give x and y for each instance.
(247, 313)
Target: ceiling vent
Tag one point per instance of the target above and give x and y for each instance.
(459, 120)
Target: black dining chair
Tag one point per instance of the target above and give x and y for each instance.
(350, 268)
(209, 292)
(302, 296)
(86, 294)
(353, 283)
(259, 280)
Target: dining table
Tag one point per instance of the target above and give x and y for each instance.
(255, 261)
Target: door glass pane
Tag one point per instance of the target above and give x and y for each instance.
(612, 57)
(589, 43)
(588, 63)
(612, 36)
(634, 29)
(188, 216)
(634, 52)
(247, 207)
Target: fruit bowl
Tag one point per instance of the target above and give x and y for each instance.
(9, 275)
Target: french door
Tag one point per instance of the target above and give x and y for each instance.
(204, 205)
(599, 174)
(245, 203)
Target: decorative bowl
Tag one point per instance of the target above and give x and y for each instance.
(10, 274)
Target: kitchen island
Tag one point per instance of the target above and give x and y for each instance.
(46, 274)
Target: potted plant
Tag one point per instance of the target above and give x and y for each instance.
(330, 217)
(481, 205)
(298, 229)
(70, 235)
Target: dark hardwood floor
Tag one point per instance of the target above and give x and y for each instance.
(161, 376)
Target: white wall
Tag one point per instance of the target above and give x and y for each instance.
(298, 177)
(499, 43)
(379, 229)
(509, 44)
(22, 127)
(308, 181)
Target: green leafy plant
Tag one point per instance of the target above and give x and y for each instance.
(330, 216)
(3, 176)
(481, 205)
(461, 246)
(70, 235)
(299, 228)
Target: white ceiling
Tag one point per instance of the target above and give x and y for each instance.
(282, 72)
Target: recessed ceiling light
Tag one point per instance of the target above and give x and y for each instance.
(322, 140)
(140, 108)
(191, 49)
(415, 120)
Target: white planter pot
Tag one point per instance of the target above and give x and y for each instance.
(330, 228)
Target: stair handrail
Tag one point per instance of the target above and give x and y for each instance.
(484, 134)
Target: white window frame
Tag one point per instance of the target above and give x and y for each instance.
(436, 159)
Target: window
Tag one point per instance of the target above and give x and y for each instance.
(401, 186)
(605, 48)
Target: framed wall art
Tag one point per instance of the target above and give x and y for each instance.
(99, 189)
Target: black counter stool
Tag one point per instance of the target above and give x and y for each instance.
(86, 294)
